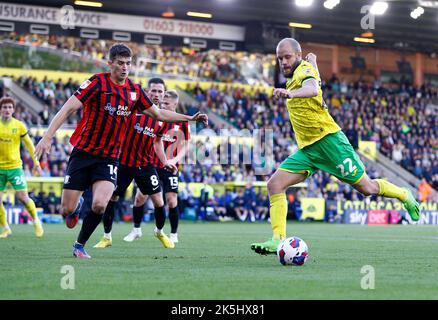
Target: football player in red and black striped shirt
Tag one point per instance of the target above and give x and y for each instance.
(107, 101)
(175, 142)
(141, 150)
(175, 139)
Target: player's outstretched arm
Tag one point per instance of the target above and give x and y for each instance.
(72, 105)
(170, 116)
(31, 148)
(309, 89)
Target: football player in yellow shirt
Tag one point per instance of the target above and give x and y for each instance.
(12, 132)
(321, 146)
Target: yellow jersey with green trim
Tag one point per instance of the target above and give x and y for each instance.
(310, 118)
(11, 133)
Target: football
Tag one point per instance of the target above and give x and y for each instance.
(292, 251)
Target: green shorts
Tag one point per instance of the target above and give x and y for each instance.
(15, 177)
(332, 154)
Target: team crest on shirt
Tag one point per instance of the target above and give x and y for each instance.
(110, 108)
(85, 84)
(309, 71)
(133, 95)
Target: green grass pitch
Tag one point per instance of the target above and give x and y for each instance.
(214, 261)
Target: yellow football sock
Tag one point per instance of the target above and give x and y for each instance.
(3, 221)
(389, 190)
(278, 213)
(31, 208)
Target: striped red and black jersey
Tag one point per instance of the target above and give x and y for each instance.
(138, 146)
(107, 109)
(173, 138)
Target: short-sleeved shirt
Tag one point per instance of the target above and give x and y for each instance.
(310, 118)
(11, 133)
(107, 109)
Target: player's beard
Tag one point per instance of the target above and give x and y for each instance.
(292, 69)
(288, 74)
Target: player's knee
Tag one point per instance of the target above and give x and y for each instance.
(22, 196)
(140, 199)
(157, 200)
(172, 201)
(98, 207)
(67, 208)
(274, 187)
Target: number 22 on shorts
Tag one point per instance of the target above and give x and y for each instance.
(349, 164)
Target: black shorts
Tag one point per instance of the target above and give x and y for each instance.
(84, 169)
(146, 178)
(169, 180)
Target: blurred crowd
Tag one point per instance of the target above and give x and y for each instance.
(400, 118)
(183, 62)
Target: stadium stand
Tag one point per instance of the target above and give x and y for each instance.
(398, 117)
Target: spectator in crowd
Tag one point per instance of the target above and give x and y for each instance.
(424, 190)
(262, 207)
(240, 208)
(250, 198)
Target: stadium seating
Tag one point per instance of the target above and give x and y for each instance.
(399, 118)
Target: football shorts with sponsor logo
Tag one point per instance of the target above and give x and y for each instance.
(170, 181)
(15, 177)
(332, 154)
(84, 169)
(146, 178)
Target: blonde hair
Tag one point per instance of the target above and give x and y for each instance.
(173, 94)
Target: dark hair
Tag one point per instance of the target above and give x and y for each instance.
(119, 49)
(156, 81)
(6, 100)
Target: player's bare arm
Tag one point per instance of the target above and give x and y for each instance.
(72, 105)
(31, 148)
(170, 116)
(159, 151)
(181, 153)
(311, 58)
(309, 89)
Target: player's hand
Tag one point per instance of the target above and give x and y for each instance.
(311, 57)
(282, 93)
(170, 166)
(200, 117)
(43, 147)
(36, 170)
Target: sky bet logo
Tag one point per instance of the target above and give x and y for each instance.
(121, 110)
